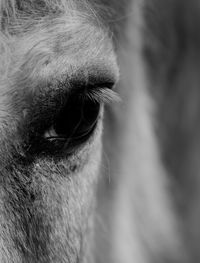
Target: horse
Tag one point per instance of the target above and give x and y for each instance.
(99, 141)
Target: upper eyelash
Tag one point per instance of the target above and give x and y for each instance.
(100, 95)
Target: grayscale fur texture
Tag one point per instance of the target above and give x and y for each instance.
(130, 193)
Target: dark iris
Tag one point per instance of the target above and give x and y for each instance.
(77, 120)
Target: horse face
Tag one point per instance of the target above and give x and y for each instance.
(57, 70)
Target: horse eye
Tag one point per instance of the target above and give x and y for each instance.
(75, 122)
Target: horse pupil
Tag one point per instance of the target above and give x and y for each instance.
(77, 119)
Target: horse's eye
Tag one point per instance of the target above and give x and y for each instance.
(75, 122)
(67, 120)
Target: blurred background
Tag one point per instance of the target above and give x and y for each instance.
(149, 198)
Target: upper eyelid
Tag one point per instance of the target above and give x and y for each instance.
(56, 91)
(49, 101)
